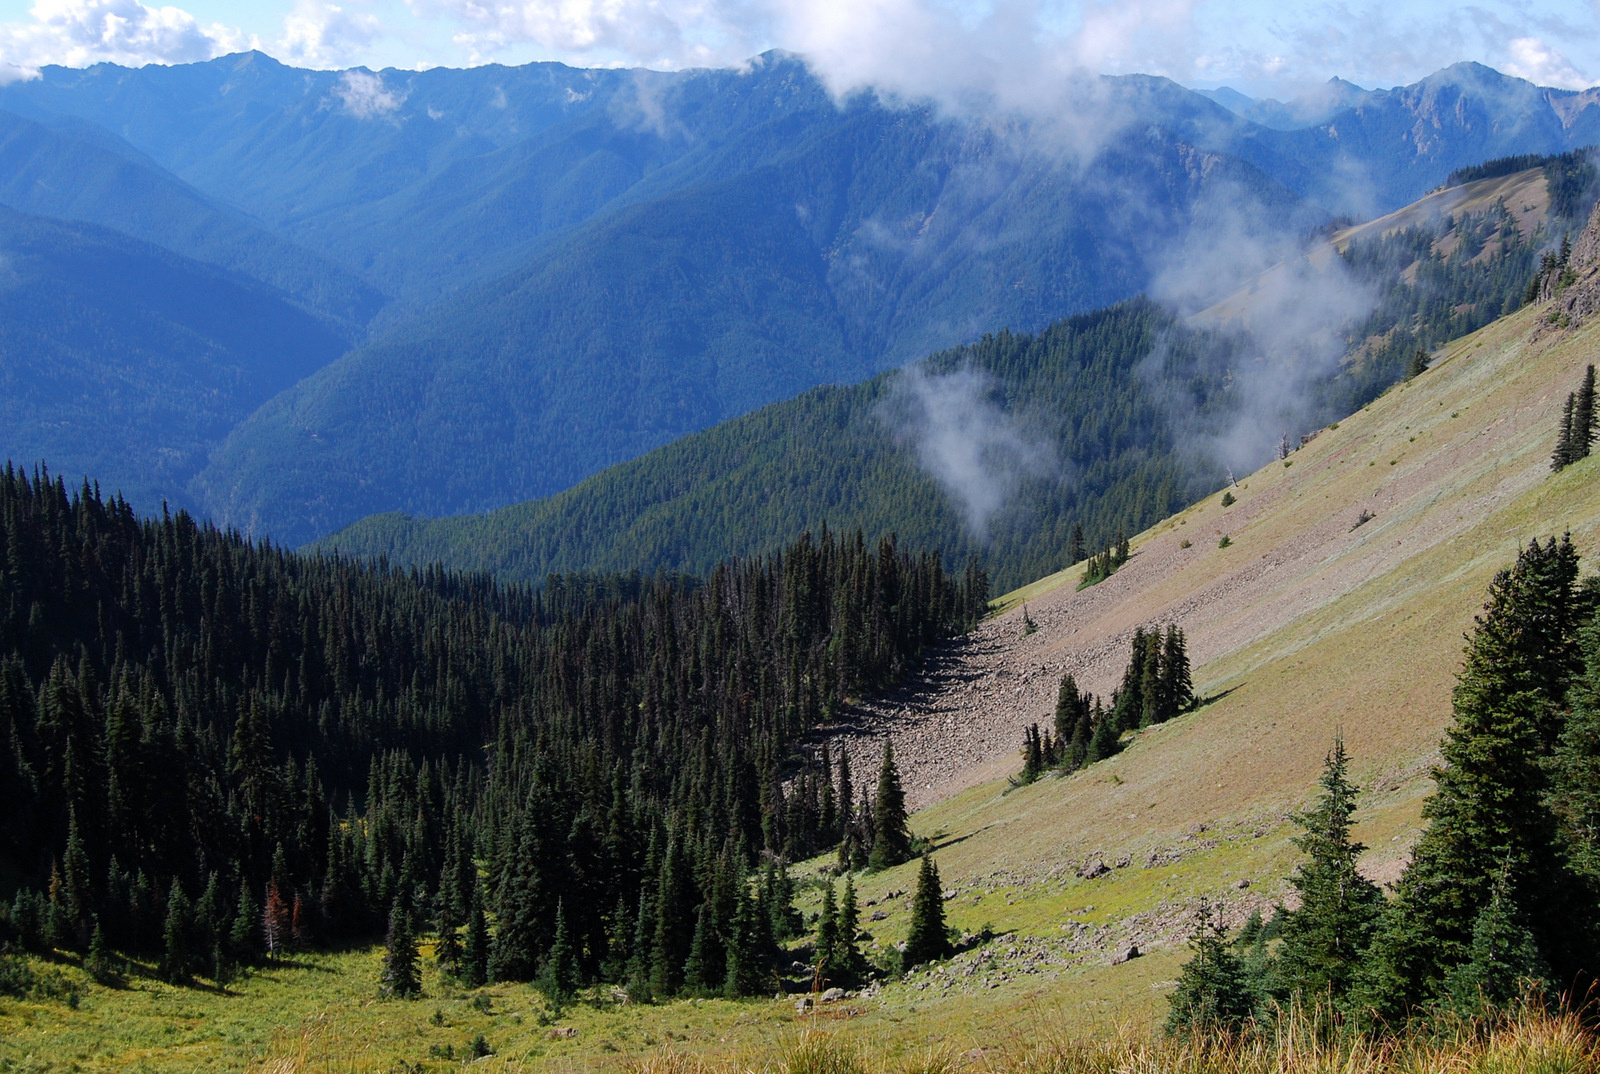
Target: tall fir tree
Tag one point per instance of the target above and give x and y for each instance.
(558, 979)
(401, 977)
(1564, 456)
(474, 970)
(177, 951)
(1583, 417)
(1490, 814)
(891, 843)
(927, 940)
(1326, 936)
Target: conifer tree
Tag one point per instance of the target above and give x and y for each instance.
(558, 980)
(1503, 962)
(1129, 702)
(176, 952)
(1213, 994)
(276, 920)
(1564, 456)
(1325, 937)
(1490, 815)
(400, 975)
(674, 903)
(1105, 740)
(98, 963)
(77, 890)
(644, 937)
(1583, 418)
(892, 839)
(244, 936)
(1068, 701)
(927, 940)
(474, 970)
(747, 948)
(848, 963)
(448, 952)
(1177, 682)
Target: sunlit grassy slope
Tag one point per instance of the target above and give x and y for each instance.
(1307, 625)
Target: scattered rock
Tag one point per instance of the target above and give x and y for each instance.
(878, 915)
(833, 995)
(1241, 885)
(948, 895)
(563, 1032)
(1124, 954)
(1124, 861)
(1093, 869)
(802, 1005)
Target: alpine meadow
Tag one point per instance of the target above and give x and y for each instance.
(876, 539)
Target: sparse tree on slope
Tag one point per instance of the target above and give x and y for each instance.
(1325, 937)
(892, 838)
(1213, 993)
(927, 941)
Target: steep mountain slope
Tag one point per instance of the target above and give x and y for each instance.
(122, 360)
(75, 171)
(1311, 623)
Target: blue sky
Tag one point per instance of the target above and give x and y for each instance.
(1008, 49)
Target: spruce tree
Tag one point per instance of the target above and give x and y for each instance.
(474, 970)
(558, 980)
(748, 950)
(1503, 963)
(847, 964)
(400, 975)
(98, 963)
(644, 936)
(77, 899)
(448, 952)
(244, 936)
(674, 903)
(892, 839)
(927, 941)
(177, 954)
(1325, 937)
(1106, 737)
(1563, 456)
(1581, 438)
(827, 931)
(1213, 994)
(1075, 547)
(1490, 813)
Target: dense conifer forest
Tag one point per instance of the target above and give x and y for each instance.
(212, 751)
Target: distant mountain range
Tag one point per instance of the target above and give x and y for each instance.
(533, 273)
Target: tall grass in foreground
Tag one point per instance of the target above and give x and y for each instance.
(1533, 1042)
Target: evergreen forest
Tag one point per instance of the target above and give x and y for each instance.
(216, 751)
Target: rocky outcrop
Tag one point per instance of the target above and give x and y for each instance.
(1578, 299)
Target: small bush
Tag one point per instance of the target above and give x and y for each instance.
(1228, 499)
(478, 1047)
(1225, 542)
(1185, 543)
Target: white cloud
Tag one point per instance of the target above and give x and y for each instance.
(76, 33)
(364, 95)
(1532, 58)
(320, 34)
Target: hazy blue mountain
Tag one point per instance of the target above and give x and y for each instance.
(122, 360)
(587, 264)
(1316, 106)
(74, 170)
(870, 243)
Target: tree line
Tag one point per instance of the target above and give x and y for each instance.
(213, 751)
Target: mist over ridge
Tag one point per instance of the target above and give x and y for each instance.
(577, 266)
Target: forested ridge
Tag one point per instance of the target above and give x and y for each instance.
(210, 748)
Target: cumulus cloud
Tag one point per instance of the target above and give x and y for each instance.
(364, 95)
(977, 452)
(1537, 61)
(76, 33)
(321, 34)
